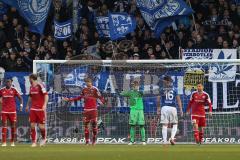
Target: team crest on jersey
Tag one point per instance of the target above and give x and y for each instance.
(36, 9)
(203, 96)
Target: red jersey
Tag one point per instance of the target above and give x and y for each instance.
(37, 94)
(197, 103)
(90, 96)
(8, 99)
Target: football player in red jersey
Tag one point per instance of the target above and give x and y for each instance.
(38, 98)
(8, 110)
(196, 104)
(89, 94)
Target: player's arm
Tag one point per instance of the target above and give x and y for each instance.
(158, 105)
(45, 93)
(78, 98)
(190, 104)
(73, 99)
(17, 94)
(179, 101)
(141, 93)
(100, 97)
(45, 101)
(21, 102)
(125, 93)
(209, 105)
(28, 103)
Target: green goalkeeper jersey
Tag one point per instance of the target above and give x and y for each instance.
(135, 97)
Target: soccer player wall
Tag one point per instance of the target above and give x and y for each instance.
(221, 81)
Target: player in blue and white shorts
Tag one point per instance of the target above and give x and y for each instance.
(167, 108)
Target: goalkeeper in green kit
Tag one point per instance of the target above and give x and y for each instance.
(136, 111)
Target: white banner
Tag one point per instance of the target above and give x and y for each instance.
(223, 72)
(197, 53)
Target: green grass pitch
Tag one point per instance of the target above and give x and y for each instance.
(121, 152)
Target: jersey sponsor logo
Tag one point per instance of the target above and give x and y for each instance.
(8, 96)
(34, 92)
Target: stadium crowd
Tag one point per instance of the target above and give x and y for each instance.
(216, 25)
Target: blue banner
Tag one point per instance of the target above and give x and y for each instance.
(160, 14)
(102, 25)
(63, 30)
(120, 24)
(35, 12)
(3, 8)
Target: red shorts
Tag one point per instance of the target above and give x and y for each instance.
(90, 116)
(37, 117)
(12, 117)
(200, 121)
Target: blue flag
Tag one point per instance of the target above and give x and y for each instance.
(102, 25)
(35, 12)
(3, 8)
(159, 14)
(120, 24)
(63, 30)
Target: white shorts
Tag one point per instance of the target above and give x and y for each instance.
(169, 115)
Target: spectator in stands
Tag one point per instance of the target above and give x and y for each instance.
(2, 35)
(20, 66)
(11, 61)
(217, 26)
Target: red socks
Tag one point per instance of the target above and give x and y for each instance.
(43, 133)
(13, 133)
(4, 134)
(196, 135)
(86, 132)
(94, 131)
(201, 133)
(33, 135)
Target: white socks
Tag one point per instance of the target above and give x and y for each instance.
(164, 133)
(174, 131)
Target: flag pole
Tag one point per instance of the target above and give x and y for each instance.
(40, 41)
(193, 17)
(113, 53)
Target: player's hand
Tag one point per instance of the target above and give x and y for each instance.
(65, 99)
(210, 114)
(27, 109)
(44, 107)
(181, 113)
(158, 111)
(101, 104)
(21, 107)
